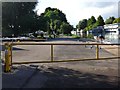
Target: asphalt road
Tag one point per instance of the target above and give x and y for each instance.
(81, 74)
(61, 52)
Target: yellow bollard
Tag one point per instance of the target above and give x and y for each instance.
(97, 52)
(51, 53)
(8, 57)
(10, 54)
(18, 40)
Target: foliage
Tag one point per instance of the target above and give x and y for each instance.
(56, 22)
(109, 20)
(75, 36)
(91, 21)
(66, 28)
(87, 24)
(18, 17)
(117, 20)
(100, 21)
(90, 36)
(82, 24)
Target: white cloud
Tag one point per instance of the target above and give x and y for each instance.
(76, 10)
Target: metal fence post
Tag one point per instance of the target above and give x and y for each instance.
(97, 52)
(51, 53)
(8, 57)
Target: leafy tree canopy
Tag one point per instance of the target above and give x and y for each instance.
(18, 17)
(56, 20)
(90, 23)
(109, 20)
(100, 21)
(117, 20)
(82, 24)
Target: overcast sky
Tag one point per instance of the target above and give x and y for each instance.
(77, 10)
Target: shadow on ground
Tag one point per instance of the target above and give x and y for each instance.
(13, 48)
(68, 78)
(56, 77)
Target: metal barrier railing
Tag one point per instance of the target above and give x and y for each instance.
(8, 53)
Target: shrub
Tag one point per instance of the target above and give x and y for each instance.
(75, 36)
(90, 36)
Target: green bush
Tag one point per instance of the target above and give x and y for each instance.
(75, 36)
(40, 37)
(90, 36)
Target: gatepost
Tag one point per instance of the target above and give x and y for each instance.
(97, 52)
(8, 57)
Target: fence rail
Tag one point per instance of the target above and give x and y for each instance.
(8, 53)
(26, 43)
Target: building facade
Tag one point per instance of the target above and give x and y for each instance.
(114, 28)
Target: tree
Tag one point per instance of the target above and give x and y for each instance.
(100, 21)
(41, 23)
(66, 28)
(18, 17)
(54, 13)
(82, 24)
(117, 20)
(109, 20)
(94, 25)
(91, 23)
(54, 19)
(57, 24)
(93, 20)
